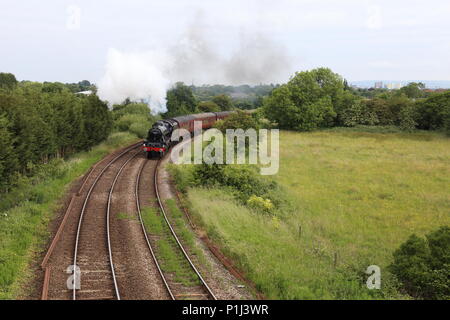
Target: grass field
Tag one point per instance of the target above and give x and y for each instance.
(358, 195)
(24, 227)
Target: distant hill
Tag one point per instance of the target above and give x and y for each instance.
(430, 84)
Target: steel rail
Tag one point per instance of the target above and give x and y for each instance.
(80, 221)
(108, 214)
(138, 206)
(91, 171)
(175, 235)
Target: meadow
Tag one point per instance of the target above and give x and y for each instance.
(358, 194)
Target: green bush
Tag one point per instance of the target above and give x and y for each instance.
(208, 106)
(434, 112)
(238, 120)
(423, 265)
(140, 129)
(124, 123)
(245, 182)
(260, 203)
(358, 113)
(130, 108)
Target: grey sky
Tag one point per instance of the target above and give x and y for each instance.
(360, 39)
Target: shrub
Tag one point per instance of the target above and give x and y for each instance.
(358, 113)
(406, 118)
(434, 112)
(130, 108)
(238, 120)
(260, 203)
(208, 106)
(140, 129)
(124, 123)
(245, 183)
(423, 265)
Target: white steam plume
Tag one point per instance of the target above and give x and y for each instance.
(148, 75)
(135, 75)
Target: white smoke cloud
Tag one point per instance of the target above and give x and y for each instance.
(135, 75)
(148, 74)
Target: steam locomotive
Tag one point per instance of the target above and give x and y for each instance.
(159, 141)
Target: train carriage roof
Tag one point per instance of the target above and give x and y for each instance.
(183, 119)
(204, 115)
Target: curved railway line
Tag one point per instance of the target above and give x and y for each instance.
(102, 274)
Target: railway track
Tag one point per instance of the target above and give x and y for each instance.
(91, 255)
(175, 289)
(103, 266)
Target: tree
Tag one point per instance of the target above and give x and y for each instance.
(308, 101)
(7, 81)
(223, 101)
(84, 84)
(434, 112)
(401, 110)
(42, 121)
(382, 111)
(180, 100)
(423, 265)
(8, 156)
(97, 120)
(208, 106)
(53, 87)
(413, 90)
(129, 107)
(238, 120)
(358, 113)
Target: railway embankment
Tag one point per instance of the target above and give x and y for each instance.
(26, 229)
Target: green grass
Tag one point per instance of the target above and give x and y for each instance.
(359, 195)
(186, 236)
(170, 257)
(125, 216)
(24, 227)
(152, 221)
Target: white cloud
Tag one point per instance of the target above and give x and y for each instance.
(341, 34)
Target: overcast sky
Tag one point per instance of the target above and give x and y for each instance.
(361, 39)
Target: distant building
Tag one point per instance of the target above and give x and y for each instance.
(393, 86)
(378, 85)
(434, 90)
(88, 92)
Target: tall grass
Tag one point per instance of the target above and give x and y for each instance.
(24, 224)
(359, 194)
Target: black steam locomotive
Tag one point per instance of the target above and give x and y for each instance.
(159, 136)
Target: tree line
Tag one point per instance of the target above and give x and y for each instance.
(181, 101)
(321, 98)
(242, 96)
(41, 121)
